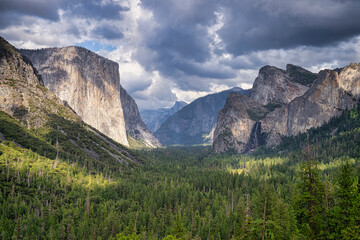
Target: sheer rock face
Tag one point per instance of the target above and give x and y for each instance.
(239, 126)
(22, 94)
(326, 97)
(274, 85)
(90, 84)
(194, 123)
(235, 124)
(135, 126)
(331, 93)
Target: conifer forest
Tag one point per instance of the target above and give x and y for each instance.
(306, 188)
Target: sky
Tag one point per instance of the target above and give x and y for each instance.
(179, 50)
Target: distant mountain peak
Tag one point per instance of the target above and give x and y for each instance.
(154, 118)
(177, 103)
(194, 123)
(274, 85)
(289, 103)
(235, 89)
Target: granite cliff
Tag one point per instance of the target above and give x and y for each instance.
(277, 86)
(154, 118)
(195, 123)
(272, 89)
(332, 92)
(136, 129)
(90, 84)
(285, 103)
(22, 94)
(236, 122)
(34, 118)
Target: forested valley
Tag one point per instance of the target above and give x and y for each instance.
(306, 188)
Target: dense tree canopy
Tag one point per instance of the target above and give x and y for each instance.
(187, 192)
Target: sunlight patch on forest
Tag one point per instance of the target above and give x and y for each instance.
(33, 166)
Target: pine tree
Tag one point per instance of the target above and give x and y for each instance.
(309, 203)
(179, 229)
(345, 218)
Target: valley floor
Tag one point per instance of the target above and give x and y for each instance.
(292, 192)
(181, 193)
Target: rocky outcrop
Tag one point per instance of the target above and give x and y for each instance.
(194, 123)
(154, 118)
(55, 130)
(22, 94)
(237, 124)
(276, 86)
(89, 83)
(135, 127)
(332, 92)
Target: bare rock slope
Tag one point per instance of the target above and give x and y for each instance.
(22, 94)
(195, 123)
(135, 127)
(236, 122)
(53, 130)
(276, 86)
(288, 102)
(332, 92)
(90, 84)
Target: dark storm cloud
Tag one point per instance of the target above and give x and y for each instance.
(73, 30)
(186, 11)
(180, 42)
(279, 24)
(96, 10)
(205, 72)
(177, 51)
(9, 19)
(108, 31)
(180, 38)
(47, 9)
(194, 69)
(196, 45)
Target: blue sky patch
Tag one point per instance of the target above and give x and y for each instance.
(96, 46)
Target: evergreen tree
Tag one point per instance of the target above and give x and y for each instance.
(179, 229)
(345, 219)
(310, 201)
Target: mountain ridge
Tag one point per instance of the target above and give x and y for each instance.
(194, 123)
(135, 127)
(87, 82)
(154, 118)
(33, 117)
(331, 92)
(90, 84)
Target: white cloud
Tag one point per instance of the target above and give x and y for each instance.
(188, 96)
(157, 76)
(157, 95)
(246, 86)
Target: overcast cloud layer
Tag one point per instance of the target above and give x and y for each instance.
(172, 50)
